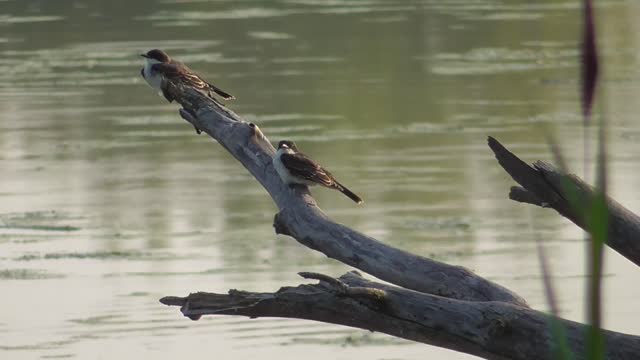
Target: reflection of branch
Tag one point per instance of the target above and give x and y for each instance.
(493, 330)
(544, 185)
(300, 217)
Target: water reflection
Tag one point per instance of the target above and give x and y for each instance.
(109, 201)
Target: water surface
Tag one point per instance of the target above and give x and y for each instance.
(109, 201)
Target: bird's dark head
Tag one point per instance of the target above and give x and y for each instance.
(287, 144)
(157, 55)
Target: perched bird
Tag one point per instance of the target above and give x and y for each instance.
(160, 70)
(294, 167)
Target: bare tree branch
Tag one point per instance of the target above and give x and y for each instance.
(544, 185)
(492, 330)
(436, 303)
(301, 218)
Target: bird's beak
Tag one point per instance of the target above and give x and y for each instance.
(144, 56)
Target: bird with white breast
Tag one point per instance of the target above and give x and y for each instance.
(295, 168)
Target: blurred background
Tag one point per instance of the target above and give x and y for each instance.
(109, 200)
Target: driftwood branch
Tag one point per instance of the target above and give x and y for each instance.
(301, 218)
(492, 330)
(435, 303)
(544, 185)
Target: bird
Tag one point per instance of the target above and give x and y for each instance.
(296, 168)
(160, 70)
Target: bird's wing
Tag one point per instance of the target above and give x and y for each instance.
(303, 167)
(164, 87)
(180, 74)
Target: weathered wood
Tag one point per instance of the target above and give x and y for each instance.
(438, 304)
(300, 217)
(492, 330)
(546, 186)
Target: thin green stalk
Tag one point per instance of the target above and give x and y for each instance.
(561, 350)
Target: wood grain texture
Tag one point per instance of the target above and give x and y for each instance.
(490, 329)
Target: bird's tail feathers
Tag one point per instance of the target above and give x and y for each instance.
(357, 199)
(221, 93)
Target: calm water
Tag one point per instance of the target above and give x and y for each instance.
(109, 201)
